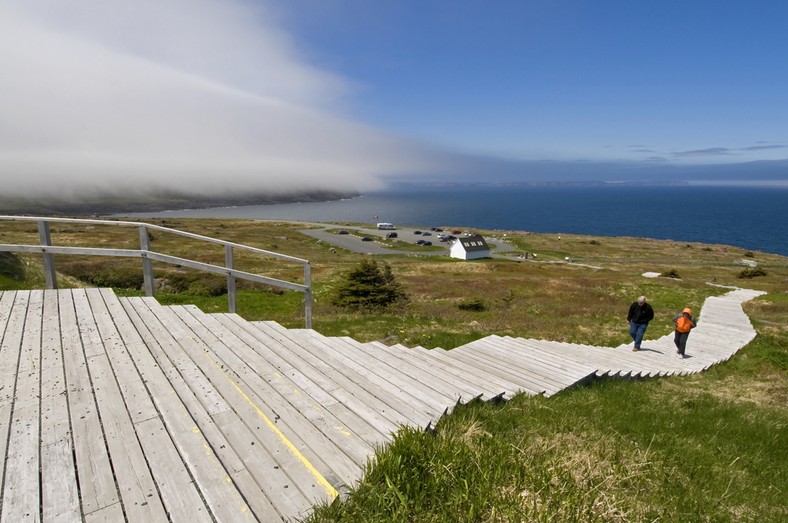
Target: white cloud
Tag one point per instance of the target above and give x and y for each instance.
(198, 95)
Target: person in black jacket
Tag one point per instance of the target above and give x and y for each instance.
(640, 313)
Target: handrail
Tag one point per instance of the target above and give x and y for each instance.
(48, 251)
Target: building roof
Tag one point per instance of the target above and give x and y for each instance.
(473, 243)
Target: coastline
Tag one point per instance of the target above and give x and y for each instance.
(112, 204)
(749, 218)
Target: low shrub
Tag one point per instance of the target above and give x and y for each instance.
(121, 278)
(208, 286)
(11, 266)
(752, 273)
(105, 275)
(475, 305)
(672, 273)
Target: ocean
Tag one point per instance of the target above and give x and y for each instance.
(753, 218)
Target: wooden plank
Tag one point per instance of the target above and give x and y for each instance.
(261, 462)
(497, 370)
(97, 487)
(172, 478)
(342, 446)
(314, 340)
(526, 363)
(433, 377)
(304, 369)
(535, 365)
(225, 501)
(21, 500)
(304, 476)
(361, 394)
(523, 380)
(466, 390)
(543, 356)
(437, 403)
(137, 487)
(462, 371)
(218, 464)
(567, 371)
(15, 309)
(504, 388)
(6, 305)
(141, 500)
(609, 361)
(376, 397)
(108, 514)
(59, 495)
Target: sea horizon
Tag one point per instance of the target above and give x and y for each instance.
(749, 217)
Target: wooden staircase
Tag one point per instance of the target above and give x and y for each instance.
(121, 409)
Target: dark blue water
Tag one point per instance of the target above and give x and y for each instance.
(751, 218)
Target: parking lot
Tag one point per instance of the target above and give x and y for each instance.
(353, 240)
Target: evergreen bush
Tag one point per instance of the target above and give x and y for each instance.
(370, 285)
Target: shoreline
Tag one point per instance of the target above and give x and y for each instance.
(106, 205)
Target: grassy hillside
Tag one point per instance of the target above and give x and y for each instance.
(711, 447)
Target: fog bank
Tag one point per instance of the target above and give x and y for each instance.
(197, 96)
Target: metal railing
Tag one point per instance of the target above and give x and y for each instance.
(48, 251)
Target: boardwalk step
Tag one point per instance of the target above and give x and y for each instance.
(172, 414)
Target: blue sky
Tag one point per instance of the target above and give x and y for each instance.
(262, 95)
(684, 81)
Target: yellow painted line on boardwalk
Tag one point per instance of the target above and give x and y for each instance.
(330, 490)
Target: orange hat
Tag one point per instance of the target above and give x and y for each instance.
(687, 310)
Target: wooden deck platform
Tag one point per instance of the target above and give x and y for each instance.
(120, 409)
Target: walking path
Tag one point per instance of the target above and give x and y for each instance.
(121, 409)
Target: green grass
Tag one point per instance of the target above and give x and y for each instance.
(710, 447)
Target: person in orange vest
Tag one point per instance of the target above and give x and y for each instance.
(684, 323)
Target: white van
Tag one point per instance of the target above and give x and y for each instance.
(384, 226)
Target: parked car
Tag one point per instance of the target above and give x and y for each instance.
(391, 235)
(366, 239)
(420, 242)
(416, 232)
(427, 243)
(426, 234)
(342, 232)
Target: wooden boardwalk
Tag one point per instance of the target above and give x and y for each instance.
(120, 409)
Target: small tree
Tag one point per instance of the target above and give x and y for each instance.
(368, 286)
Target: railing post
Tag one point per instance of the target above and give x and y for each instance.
(308, 295)
(228, 262)
(49, 258)
(147, 264)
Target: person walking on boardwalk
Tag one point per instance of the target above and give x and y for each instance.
(640, 313)
(684, 324)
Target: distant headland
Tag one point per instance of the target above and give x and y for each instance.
(104, 203)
